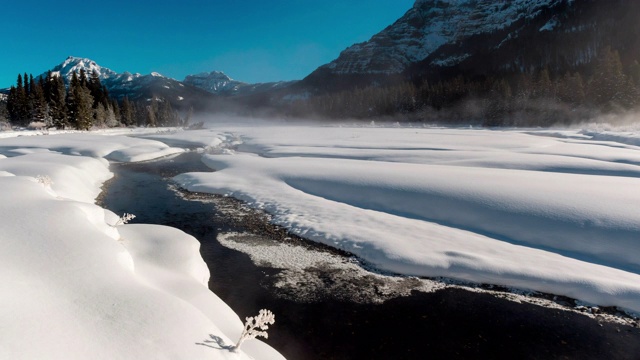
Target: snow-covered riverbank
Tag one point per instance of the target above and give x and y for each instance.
(74, 286)
(550, 211)
(555, 211)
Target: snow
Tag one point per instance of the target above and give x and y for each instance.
(550, 25)
(75, 64)
(430, 24)
(118, 148)
(73, 286)
(555, 212)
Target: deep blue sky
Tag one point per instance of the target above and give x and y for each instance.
(250, 40)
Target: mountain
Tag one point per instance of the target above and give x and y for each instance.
(440, 39)
(432, 25)
(204, 91)
(136, 86)
(217, 82)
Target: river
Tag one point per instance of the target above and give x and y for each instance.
(328, 307)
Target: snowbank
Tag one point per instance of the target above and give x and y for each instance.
(118, 148)
(558, 214)
(72, 286)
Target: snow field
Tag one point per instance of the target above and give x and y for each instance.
(555, 211)
(72, 286)
(554, 214)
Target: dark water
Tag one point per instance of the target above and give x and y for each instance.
(447, 324)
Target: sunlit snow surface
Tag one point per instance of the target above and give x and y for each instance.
(551, 211)
(73, 286)
(555, 211)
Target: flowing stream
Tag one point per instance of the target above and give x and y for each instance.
(328, 307)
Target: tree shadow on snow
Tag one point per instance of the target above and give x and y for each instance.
(216, 342)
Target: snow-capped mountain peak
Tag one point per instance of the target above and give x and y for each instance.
(75, 64)
(133, 85)
(428, 26)
(214, 82)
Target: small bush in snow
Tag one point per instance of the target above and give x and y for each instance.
(256, 326)
(44, 180)
(125, 218)
(37, 125)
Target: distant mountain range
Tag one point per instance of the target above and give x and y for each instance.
(135, 86)
(435, 40)
(217, 82)
(198, 91)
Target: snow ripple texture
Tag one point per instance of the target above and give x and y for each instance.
(549, 211)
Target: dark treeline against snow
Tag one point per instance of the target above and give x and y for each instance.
(82, 104)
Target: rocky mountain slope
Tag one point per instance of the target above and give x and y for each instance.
(437, 39)
(217, 82)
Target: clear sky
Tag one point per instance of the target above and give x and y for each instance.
(249, 40)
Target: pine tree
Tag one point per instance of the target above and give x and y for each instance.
(116, 111)
(139, 113)
(106, 99)
(110, 117)
(165, 114)
(23, 113)
(20, 99)
(71, 100)
(80, 103)
(96, 89)
(30, 92)
(39, 108)
(27, 91)
(100, 115)
(83, 78)
(58, 103)
(609, 87)
(12, 104)
(127, 112)
(151, 119)
(47, 87)
(83, 108)
(4, 115)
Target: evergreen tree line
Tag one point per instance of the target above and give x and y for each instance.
(83, 105)
(524, 99)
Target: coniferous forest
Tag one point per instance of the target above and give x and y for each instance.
(536, 98)
(82, 104)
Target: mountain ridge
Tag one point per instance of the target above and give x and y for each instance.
(203, 91)
(217, 82)
(437, 53)
(440, 39)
